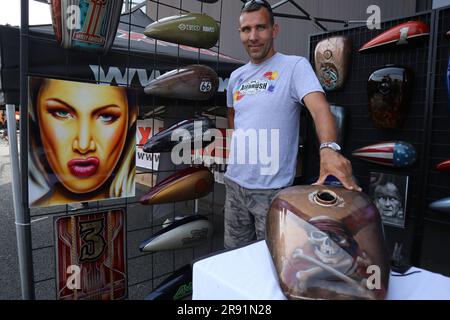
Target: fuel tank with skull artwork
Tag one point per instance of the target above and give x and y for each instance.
(326, 243)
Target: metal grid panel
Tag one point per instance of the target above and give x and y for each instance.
(144, 270)
(360, 130)
(436, 226)
(439, 183)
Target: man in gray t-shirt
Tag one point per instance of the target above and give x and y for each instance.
(263, 100)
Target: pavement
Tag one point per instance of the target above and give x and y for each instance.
(145, 271)
(9, 263)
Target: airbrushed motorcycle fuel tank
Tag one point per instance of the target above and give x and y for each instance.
(441, 205)
(398, 154)
(196, 127)
(332, 60)
(186, 232)
(193, 29)
(389, 90)
(443, 166)
(187, 184)
(96, 28)
(326, 242)
(404, 34)
(192, 82)
(177, 286)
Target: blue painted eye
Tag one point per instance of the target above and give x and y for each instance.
(61, 114)
(106, 117)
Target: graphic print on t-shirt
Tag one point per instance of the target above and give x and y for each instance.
(271, 75)
(255, 86)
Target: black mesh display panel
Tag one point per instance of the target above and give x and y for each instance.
(426, 126)
(436, 225)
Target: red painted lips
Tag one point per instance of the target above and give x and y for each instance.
(84, 167)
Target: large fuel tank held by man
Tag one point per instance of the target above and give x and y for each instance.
(326, 242)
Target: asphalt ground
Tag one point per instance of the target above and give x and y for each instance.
(145, 271)
(9, 263)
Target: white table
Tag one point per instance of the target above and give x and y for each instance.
(248, 273)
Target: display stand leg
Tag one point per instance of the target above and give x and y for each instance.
(22, 221)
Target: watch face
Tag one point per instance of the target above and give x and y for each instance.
(331, 145)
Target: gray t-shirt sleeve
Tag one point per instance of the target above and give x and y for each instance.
(304, 80)
(230, 92)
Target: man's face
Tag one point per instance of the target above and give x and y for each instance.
(257, 34)
(387, 200)
(388, 205)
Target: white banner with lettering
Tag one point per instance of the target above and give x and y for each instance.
(145, 130)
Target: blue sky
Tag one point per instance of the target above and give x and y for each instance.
(39, 13)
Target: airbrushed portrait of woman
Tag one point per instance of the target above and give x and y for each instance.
(82, 140)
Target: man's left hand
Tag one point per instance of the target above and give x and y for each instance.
(335, 164)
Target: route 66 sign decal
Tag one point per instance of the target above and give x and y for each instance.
(205, 85)
(90, 256)
(192, 82)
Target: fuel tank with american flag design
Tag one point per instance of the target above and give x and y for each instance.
(390, 153)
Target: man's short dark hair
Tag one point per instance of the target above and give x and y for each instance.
(255, 5)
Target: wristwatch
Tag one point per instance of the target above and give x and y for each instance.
(332, 145)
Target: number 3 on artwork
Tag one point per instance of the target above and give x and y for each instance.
(93, 243)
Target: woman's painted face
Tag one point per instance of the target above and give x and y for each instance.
(83, 129)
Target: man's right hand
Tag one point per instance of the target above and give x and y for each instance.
(332, 163)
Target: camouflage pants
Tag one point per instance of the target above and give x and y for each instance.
(245, 214)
